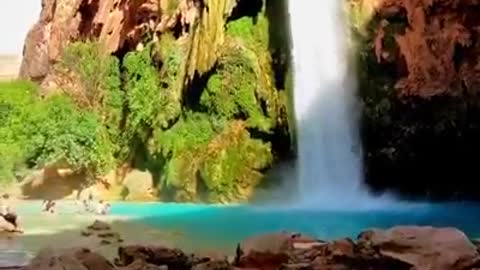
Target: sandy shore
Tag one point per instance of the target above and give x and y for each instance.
(64, 230)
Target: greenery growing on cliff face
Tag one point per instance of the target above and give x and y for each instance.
(213, 148)
(233, 163)
(96, 85)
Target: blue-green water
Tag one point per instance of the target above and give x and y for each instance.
(207, 227)
(223, 227)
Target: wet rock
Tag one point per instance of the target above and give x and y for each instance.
(108, 235)
(86, 233)
(105, 242)
(423, 248)
(99, 226)
(75, 259)
(156, 255)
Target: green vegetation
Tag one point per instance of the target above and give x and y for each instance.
(38, 132)
(133, 110)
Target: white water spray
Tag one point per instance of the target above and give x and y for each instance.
(329, 165)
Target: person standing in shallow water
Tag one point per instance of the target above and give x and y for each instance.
(90, 202)
(49, 206)
(102, 208)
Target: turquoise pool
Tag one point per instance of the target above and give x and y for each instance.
(222, 227)
(207, 227)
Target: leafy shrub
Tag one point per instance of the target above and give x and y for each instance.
(96, 84)
(38, 132)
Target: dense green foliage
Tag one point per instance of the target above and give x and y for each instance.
(132, 110)
(38, 132)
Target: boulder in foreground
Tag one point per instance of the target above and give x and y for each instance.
(424, 248)
(398, 248)
(71, 259)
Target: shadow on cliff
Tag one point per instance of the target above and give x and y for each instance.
(419, 83)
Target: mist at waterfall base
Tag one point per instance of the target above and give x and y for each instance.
(329, 165)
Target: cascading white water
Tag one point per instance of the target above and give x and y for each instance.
(329, 165)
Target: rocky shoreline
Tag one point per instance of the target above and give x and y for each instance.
(397, 248)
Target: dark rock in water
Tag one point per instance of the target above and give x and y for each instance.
(74, 259)
(86, 233)
(109, 235)
(99, 226)
(423, 248)
(157, 255)
(105, 242)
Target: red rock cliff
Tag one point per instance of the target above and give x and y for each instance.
(118, 24)
(438, 44)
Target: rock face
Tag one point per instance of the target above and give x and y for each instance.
(419, 78)
(438, 42)
(51, 183)
(139, 185)
(118, 25)
(398, 248)
(55, 182)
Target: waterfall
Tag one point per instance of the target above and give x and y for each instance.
(329, 165)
